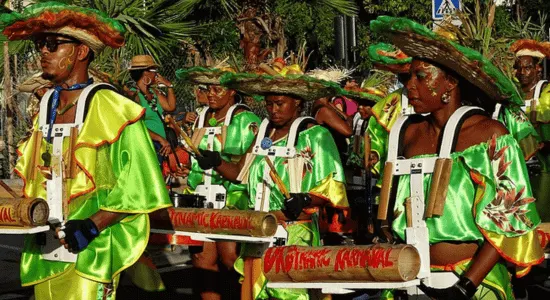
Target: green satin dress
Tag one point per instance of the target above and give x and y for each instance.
(489, 199)
(117, 172)
(240, 135)
(323, 177)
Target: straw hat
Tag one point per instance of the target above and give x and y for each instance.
(139, 62)
(92, 27)
(33, 83)
(419, 42)
(202, 75)
(389, 58)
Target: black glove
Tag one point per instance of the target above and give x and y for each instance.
(294, 206)
(464, 289)
(209, 159)
(78, 234)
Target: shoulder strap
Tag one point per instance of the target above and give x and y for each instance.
(358, 124)
(87, 95)
(231, 111)
(395, 137)
(453, 126)
(538, 89)
(496, 113)
(45, 104)
(261, 132)
(297, 126)
(202, 118)
(82, 106)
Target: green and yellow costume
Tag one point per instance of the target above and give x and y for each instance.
(323, 177)
(489, 198)
(116, 161)
(117, 170)
(240, 135)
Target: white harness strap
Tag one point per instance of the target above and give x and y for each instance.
(54, 186)
(405, 109)
(533, 102)
(215, 194)
(417, 235)
(263, 189)
(358, 124)
(496, 113)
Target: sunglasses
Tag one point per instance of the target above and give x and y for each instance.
(51, 44)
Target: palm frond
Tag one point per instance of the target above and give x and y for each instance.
(346, 7)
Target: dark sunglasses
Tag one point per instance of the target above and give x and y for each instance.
(51, 44)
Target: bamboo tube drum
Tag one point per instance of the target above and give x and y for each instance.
(23, 212)
(223, 221)
(439, 186)
(385, 192)
(381, 262)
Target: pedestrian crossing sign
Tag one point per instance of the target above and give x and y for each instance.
(440, 8)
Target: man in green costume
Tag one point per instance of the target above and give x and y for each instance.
(102, 179)
(306, 171)
(230, 128)
(528, 65)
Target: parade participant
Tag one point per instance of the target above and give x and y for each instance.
(386, 57)
(489, 213)
(310, 172)
(529, 56)
(228, 127)
(111, 181)
(143, 71)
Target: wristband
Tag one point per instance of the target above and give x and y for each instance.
(467, 286)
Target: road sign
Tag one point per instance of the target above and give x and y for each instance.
(440, 8)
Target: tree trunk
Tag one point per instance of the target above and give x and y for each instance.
(8, 94)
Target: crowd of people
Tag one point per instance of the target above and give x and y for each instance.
(326, 172)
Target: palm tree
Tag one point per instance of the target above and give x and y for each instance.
(257, 22)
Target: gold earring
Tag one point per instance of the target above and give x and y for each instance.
(446, 98)
(150, 81)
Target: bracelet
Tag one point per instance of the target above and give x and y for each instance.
(466, 286)
(384, 226)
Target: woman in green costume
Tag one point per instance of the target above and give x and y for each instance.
(143, 71)
(489, 213)
(313, 175)
(237, 127)
(103, 201)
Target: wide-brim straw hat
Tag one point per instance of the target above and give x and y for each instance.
(91, 27)
(389, 58)
(202, 75)
(418, 41)
(297, 86)
(140, 62)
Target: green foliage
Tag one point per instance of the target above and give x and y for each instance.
(418, 10)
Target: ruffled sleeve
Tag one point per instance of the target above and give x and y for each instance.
(135, 166)
(504, 208)
(324, 174)
(241, 133)
(521, 129)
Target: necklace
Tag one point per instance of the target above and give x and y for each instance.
(213, 121)
(67, 107)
